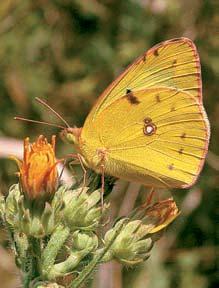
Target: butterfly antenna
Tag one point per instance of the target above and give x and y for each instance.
(42, 102)
(39, 122)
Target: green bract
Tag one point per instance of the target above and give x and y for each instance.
(132, 244)
(77, 209)
(82, 210)
(33, 219)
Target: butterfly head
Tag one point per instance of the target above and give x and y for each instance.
(71, 135)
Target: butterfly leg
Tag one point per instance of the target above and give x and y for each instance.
(84, 170)
(149, 198)
(63, 167)
(71, 166)
(80, 161)
(74, 162)
(102, 184)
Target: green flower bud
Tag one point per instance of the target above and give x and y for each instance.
(131, 246)
(84, 241)
(82, 210)
(77, 209)
(137, 237)
(34, 219)
(82, 244)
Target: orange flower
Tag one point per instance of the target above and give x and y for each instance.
(162, 214)
(38, 172)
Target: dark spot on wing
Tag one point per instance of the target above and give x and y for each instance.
(181, 151)
(147, 120)
(171, 166)
(172, 109)
(149, 127)
(174, 61)
(144, 57)
(183, 136)
(131, 97)
(158, 98)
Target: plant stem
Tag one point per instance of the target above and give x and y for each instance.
(31, 262)
(36, 259)
(76, 283)
(52, 249)
(66, 266)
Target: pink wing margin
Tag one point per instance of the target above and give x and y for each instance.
(205, 151)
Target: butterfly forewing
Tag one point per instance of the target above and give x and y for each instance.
(174, 63)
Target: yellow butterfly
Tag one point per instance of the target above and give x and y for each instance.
(150, 125)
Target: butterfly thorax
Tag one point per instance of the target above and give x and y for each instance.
(91, 156)
(94, 158)
(94, 155)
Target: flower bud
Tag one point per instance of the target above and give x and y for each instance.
(137, 237)
(159, 215)
(131, 246)
(38, 173)
(29, 220)
(82, 244)
(84, 241)
(82, 209)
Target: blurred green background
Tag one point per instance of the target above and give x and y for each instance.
(67, 52)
